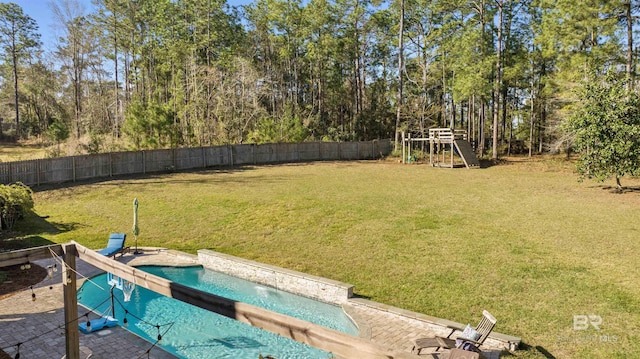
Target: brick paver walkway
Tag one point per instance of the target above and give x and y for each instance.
(398, 332)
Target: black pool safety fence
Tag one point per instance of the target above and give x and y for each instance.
(88, 167)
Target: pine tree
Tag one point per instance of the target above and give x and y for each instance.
(18, 37)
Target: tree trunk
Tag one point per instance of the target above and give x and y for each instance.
(207, 114)
(509, 138)
(497, 84)
(532, 117)
(503, 113)
(471, 123)
(127, 74)
(618, 184)
(400, 66)
(629, 45)
(16, 101)
(541, 123)
(443, 94)
(116, 125)
(542, 107)
(481, 110)
(76, 82)
(481, 137)
(453, 114)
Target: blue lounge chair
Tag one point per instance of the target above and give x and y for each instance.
(115, 245)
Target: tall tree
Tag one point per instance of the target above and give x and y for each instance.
(576, 39)
(18, 36)
(40, 93)
(110, 17)
(399, 97)
(73, 51)
(628, 16)
(497, 87)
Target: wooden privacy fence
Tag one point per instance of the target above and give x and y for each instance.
(87, 167)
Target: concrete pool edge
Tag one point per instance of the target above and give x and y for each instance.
(438, 326)
(332, 292)
(310, 286)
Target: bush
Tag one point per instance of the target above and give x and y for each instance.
(284, 129)
(151, 125)
(53, 152)
(94, 145)
(58, 132)
(15, 200)
(606, 131)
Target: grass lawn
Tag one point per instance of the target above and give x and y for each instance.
(20, 152)
(523, 240)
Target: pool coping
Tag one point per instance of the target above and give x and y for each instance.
(306, 285)
(441, 327)
(390, 327)
(339, 294)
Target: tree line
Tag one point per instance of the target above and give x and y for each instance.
(169, 73)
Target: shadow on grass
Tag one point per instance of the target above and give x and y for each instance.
(544, 352)
(26, 233)
(537, 350)
(484, 163)
(33, 224)
(163, 177)
(616, 190)
(120, 180)
(11, 244)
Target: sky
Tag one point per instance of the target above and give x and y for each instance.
(41, 12)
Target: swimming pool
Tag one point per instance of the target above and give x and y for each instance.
(194, 333)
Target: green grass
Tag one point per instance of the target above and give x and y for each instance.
(523, 240)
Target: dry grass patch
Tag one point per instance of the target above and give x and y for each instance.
(19, 152)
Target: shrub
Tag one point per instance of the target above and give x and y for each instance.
(606, 131)
(58, 132)
(94, 145)
(15, 200)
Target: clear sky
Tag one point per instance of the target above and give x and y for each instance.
(40, 11)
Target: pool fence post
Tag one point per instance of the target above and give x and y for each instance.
(70, 291)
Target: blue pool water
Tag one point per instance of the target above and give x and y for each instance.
(194, 333)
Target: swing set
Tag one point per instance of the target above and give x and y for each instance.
(443, 144)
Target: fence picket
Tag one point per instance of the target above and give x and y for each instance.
(88, 167)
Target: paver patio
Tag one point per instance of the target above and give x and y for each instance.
(39, 324)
